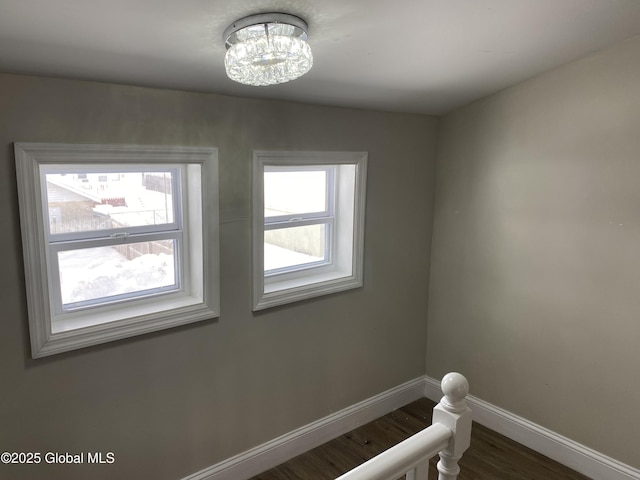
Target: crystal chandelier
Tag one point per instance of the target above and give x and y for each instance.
(267, 49)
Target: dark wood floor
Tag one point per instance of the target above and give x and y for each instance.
(490, 457)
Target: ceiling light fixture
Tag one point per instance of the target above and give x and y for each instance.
(267, 49)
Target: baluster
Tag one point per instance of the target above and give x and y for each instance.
(419, 472)
(452, 411)
(411, 474)
(422, 470)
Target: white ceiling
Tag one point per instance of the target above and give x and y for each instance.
(424, 56)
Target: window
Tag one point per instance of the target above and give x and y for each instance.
(308, 224)
(115, 243)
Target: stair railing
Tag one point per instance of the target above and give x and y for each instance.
(449, 436)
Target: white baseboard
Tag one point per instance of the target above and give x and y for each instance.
(561, 449)
(268, 455)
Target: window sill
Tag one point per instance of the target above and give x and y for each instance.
(310, 286)
(99, 327)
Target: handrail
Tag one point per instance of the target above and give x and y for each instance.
(402, 457)
(449, 435)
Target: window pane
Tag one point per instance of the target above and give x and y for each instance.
(80, 202)
(287, 192)
(96, 274)
(295, 246)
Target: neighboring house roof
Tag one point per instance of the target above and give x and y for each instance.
(60, 193)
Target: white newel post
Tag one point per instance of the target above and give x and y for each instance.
(452, 411)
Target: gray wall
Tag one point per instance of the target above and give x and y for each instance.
(535, 274)
(173, 402)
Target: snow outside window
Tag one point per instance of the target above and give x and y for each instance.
(308, 224)
(115, 243)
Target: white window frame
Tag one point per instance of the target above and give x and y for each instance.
(54, 329)
(60, 242)
(343, 269)
(326, 217)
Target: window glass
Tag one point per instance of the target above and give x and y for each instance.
(294, 192)
(286, 248)
(86, 201)
(98, 274)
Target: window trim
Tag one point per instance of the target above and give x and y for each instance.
(346, 272)
(199, 301)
